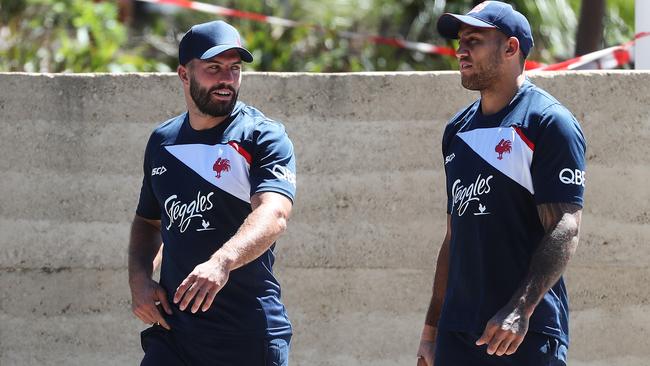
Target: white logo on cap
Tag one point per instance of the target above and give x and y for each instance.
(479, 7)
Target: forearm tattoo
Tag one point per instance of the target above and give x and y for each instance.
(561, 222)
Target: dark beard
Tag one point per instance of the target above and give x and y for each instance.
(203, 99)
(485, 75)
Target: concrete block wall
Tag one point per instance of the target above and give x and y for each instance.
(357, 261)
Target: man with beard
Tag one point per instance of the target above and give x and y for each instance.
(218, 188)
(514, 164)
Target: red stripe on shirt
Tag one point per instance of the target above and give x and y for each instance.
(241, 151)
(524, 138)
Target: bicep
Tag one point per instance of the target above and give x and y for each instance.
(567, 215)
(145, 239)
(142, 220)
(276, 201)
(448, 233)
(443, 254)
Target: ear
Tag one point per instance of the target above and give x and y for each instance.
(182, 72)
(512, 47)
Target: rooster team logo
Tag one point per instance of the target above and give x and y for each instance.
(220, 166)
(504, 146)
(479, 7)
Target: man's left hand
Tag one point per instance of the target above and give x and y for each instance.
(505, 331)
(202, 285)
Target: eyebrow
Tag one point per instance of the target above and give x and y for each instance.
(473, 31)
(224, 63)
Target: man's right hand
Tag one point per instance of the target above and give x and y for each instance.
(427, 348)
(145, 296)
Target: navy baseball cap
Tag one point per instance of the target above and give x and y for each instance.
(490, 14)
(206, 40)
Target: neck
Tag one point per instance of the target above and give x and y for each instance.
(500, 94)
(200, 121)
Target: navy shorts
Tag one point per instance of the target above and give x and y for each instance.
(459, 349)
(167, 348)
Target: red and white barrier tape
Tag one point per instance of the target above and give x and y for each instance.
(608, 58)
(220, 10)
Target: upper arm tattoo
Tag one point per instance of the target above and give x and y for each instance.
(550, 214)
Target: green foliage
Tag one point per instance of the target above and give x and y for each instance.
(84, 35)
(619, 22)
(65, 36)
(555, 23)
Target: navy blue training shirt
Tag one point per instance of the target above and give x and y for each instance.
(199, 184)
(498, 169)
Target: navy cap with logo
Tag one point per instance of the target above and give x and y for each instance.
(206, 40)
(490, 14)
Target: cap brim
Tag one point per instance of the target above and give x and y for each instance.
(210, 53)
(449, 24)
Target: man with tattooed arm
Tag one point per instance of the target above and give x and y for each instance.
(514, 163)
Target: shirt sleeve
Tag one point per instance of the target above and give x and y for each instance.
(445, 144)
(273, 168)
(451, 129)
(558, 166)
(148, 204)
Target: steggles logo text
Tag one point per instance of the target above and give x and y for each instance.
(462, 195)
(182, 213)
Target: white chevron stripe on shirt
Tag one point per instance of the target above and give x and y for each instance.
(505, 150)
(233, 177)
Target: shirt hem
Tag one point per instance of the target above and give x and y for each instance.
(276, 190)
